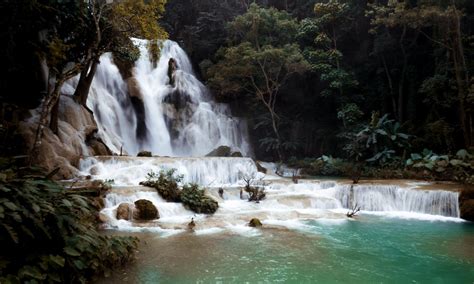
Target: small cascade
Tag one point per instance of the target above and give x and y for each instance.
(166, 112)
(395, 198)
(286, 204)
(207, 172)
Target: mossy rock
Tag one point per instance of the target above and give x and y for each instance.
(145, 210)
(194, 199)
(221, 151)
(167, 189)
(144, 154)
(236, 154)
(255, 223)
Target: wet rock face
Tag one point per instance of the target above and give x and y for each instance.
(255, 223)
(172, 66)
(124, 211)
(145, 210)
(466, 204)
(221, 151)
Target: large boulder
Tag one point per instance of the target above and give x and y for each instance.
(145, 210)
(125, 211)
(221, 151)
(466, 204)
(255, 223)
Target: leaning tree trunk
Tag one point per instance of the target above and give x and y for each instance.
(85, 81)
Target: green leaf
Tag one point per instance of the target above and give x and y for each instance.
(71, 251)
(33, 272)
(67, 203)
(79, 264)
(462, 154)
(10, 206)
(57, 259)
(456, 163)
(427, 153)
(416, 157)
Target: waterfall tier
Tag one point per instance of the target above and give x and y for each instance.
(286, 204)
(166, 113)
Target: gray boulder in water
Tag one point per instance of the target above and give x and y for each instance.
(221, 151)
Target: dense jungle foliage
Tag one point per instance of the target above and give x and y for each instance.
(49, 235)
(313, 77)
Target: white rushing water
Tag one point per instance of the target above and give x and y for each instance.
(149, 113)
(286, 205)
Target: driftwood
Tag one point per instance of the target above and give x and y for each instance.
(353, 211)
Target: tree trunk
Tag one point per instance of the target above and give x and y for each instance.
(462, 78)
(390, 85)
(49, 103)
(401, 82)
(83, 87)
(53, 124)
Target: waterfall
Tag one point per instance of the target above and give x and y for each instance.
(285, 200)
(395, 198)
(148, 112)
(205, 171)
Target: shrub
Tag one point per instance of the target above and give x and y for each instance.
(166, 183)
(49, 235)
(195, 199)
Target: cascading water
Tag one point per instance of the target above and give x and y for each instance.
(286, 205)
(151, 113)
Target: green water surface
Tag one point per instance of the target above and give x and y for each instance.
(367, 250)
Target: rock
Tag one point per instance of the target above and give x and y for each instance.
(94, 171)
(124, 211)
(145, 210)
(255, 223)
(221, 151)
(144, 154)
(236, 154)
(98, 203)
(103, 218)
(467, 210)
(466, 204)
(260, 168)
(172, 66)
